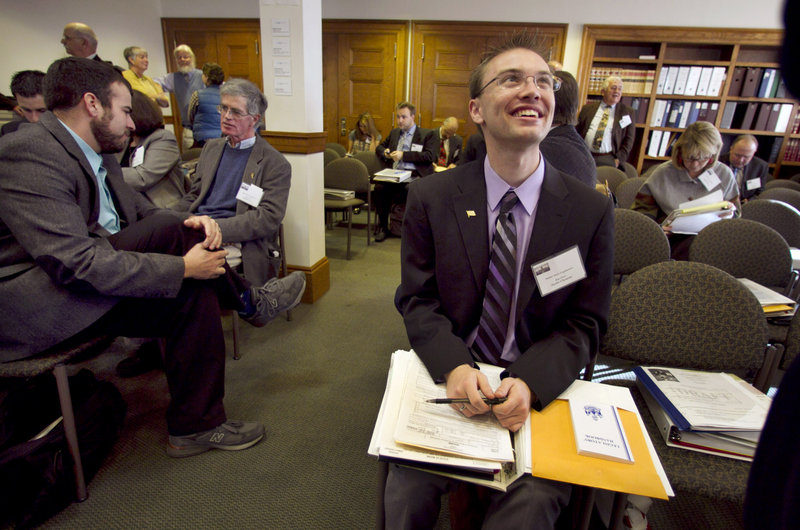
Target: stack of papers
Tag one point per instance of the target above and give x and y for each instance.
(342, 195)
(392, 175)
(692, 219)
(714, 413)
(774, 304)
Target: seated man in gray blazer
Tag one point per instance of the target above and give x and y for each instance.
(84, 255)
(243, 183)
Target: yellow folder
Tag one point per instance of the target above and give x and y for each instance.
(555, 456)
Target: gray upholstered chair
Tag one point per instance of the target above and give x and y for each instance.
(780, 216)
(746, 249)
(370, 159)
(792, 341)
(339, 148)
(349, 174)
(611, 175)
(690, 315)
(782, 183)
(790, 197)
(638, 242)
(629, 170)
(649, 170)
(329, 155)
(626, 191)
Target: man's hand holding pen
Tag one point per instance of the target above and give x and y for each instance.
(466, 381)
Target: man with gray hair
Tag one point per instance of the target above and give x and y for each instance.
(608, 126)
(183, 83)
(243, 182)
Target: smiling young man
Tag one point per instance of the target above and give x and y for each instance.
(608, 126)
(83, 255)
(471, 236)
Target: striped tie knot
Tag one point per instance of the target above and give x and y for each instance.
(508, 202)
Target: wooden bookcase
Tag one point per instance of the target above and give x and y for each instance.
(642, 52)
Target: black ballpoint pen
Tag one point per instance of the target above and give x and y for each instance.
(448, 401)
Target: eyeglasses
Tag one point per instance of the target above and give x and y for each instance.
(698, 158)
(516, 80)
(236, 113)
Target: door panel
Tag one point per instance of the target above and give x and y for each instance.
(238, 54)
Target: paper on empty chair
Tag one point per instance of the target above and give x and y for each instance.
(773, 304)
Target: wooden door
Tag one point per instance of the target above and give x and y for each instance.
(239, 55)
(363, 71)
(444, 54)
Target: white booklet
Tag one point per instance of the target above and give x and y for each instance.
(392, 175)
(599, 431)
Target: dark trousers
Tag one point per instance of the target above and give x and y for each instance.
(194, 359)
(384, 196)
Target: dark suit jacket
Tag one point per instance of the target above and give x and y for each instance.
(255, 228)
(757, 168)
(622, 138)
(423, 160)
(58, 272)
(474, 150)
(455, 148)
(445, 263)
(564, 148)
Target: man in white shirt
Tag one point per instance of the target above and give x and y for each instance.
(608, 126)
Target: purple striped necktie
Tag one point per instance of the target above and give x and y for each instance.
(492, 329)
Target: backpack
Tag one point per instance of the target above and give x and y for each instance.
(36, 478)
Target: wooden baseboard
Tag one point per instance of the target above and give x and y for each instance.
(318, 279)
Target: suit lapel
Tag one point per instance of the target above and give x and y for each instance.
(469, 208)
(552, 214)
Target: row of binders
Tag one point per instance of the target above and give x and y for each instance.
(691, 80)
(659, 143)
(633, 81)
(792, 152)
(639, 107)
(677, 113)
(753, 82)
(772, 117)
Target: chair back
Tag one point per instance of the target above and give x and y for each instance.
(777, 215)
(782, 183)
(191, 154)
(329, 155)
(745, 249)
(629, 170)
(649, 170)
(611, 175)
(686, 315)
(790, 197)
(370, 159)
(638, 242)
(347, 174)
(626, 191)
(339, 148)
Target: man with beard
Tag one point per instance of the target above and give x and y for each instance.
(474, 238)
(84, 255)
(183, 83)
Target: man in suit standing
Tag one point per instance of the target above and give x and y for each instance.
(84, 255)
(474, 285)
(750, 171)
(406, 147)
(608, 127)
(449, 144)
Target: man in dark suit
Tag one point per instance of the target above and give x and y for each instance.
(83, 255)
(449, 144)
(609, 144)
(456, 232)
(27, 89)
(750, 171)
(406, 147)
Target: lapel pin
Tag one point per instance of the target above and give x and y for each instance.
(470, 213)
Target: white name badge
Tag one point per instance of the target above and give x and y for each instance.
(559, 270)
(709, 179)
(416, 147)
(625, 121)
(138, 157)
(250, 194)
(753, 184)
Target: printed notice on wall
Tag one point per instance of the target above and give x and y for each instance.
(283, 86)
(281, 67)
(281, 46)
(280, 26)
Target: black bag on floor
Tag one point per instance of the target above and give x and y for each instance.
(36, 478)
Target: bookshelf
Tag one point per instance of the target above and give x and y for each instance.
(673, 76)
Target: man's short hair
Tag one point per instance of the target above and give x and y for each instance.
(145, 114)
(132, 51)
(451, 123)
(407, 105)
(185, 49)
(68, 79)
(610, 79)
(83, 31)
(566, 99)
(214, 73)
(745, 137)
(27, 83)
(699, 138)
(522, 40)
(256, 101)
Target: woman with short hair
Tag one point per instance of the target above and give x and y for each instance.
(138, 62)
